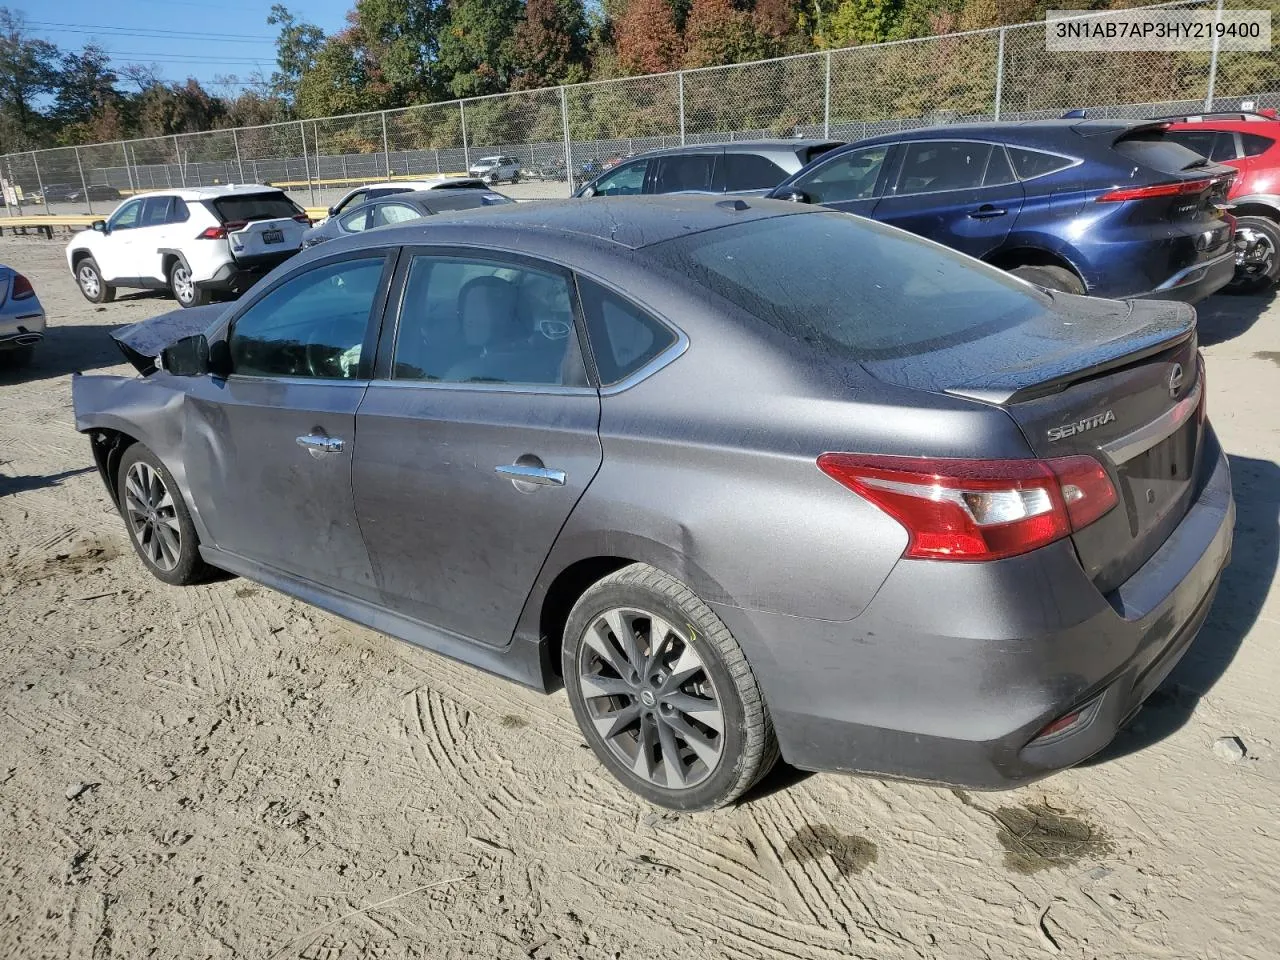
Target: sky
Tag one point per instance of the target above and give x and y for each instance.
(184, 38)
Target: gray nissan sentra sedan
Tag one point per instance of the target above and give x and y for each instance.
(746, 478)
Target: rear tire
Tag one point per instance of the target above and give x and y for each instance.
(1260, 273)
(183, 287)
(92, 286)
(663, 693)
(157, 519)
(1053, 278)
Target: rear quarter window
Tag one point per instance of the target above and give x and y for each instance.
(750, 171)
(255, 206)
(1255, 145)
(623, 337)
(1029, 164)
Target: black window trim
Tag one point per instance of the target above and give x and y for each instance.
(390, 255)
(1075, 161)
(383, 375)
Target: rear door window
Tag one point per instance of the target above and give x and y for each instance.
(682, 172)
(388, 213)
(255, 206)
(155, 211)
(1255, 145)
(750, 171)
(932, 166)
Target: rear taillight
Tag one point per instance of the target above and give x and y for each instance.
(978, 509)
(212, 233)
(22, 288)
(303, 218)
(1180, 188)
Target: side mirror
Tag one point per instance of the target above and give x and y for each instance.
(188, 357)
(795, 196)
(587, 192)
(333, 210)
(99, 226)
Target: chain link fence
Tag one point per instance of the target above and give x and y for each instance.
(563, 135)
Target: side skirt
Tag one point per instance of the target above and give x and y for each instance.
(520, 660)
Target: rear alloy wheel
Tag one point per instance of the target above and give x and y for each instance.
(1052, 278)
(89, 280)
(159, 524)
(663, 693)
(1258, 265)
(183, 287)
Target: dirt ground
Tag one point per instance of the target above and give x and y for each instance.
(221, 771)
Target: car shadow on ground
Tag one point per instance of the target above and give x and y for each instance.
(1254, 555)
(24, 484)
(1226, 316)
(65, 349)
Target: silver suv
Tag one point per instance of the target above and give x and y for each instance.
(495, 169)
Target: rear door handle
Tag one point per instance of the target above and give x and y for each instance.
(543, 476)
(986, 212)
(316, 444)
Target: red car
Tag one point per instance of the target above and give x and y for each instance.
(1250, 142)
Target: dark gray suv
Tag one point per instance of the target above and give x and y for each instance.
(919, 518)
(744, 167)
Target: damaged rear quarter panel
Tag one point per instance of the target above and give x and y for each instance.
(146, 409)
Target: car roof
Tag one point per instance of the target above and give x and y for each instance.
(626, 222)
(1014, 130)
(787, 145)
(442, 199)
(209, 193)
(425, 183)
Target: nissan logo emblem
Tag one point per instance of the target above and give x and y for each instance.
(1175, 379)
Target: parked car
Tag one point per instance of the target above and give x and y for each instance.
(99, 191)
(58, 193)
(22, 320)
(551, 170)
(742, 167)
(400, 208)
(582, 426)
(1249, 142)
(1080, 206)
(193, 242)
(496, 169)
(371, 191)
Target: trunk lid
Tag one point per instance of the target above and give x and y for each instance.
(1117, 381)
(261, 225)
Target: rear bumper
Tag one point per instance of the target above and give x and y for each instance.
(239, 275)
(953, 669)
(22, 329)
(1194, 283)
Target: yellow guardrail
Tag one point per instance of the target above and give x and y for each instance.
(46, 223)
(361, 181)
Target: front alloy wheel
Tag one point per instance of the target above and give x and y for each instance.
(153, 516)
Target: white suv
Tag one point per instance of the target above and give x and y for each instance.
(194, 243)
(493, 169)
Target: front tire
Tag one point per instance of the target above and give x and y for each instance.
(1053, 278)
(92, 286)
(157, 519)
(663, 693)
(183, 287)
(1263, 267)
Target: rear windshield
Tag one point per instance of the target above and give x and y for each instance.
(853, 287)
(1152, 149)
(255, 206)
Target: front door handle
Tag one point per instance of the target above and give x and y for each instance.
(986, 212)
(317, 444)
(543, 476)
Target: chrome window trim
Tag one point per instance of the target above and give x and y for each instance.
(294, 380)
(1139, 441)
(525, 388)
(667, 356)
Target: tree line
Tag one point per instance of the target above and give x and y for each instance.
(397, 53)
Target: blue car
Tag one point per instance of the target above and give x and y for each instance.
(1100, 207)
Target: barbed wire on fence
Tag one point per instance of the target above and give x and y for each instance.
(997, 73)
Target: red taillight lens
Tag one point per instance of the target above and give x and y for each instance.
(303, 218)
(22, 288)
(211, 233)
(1156, 190)
(977, 509)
